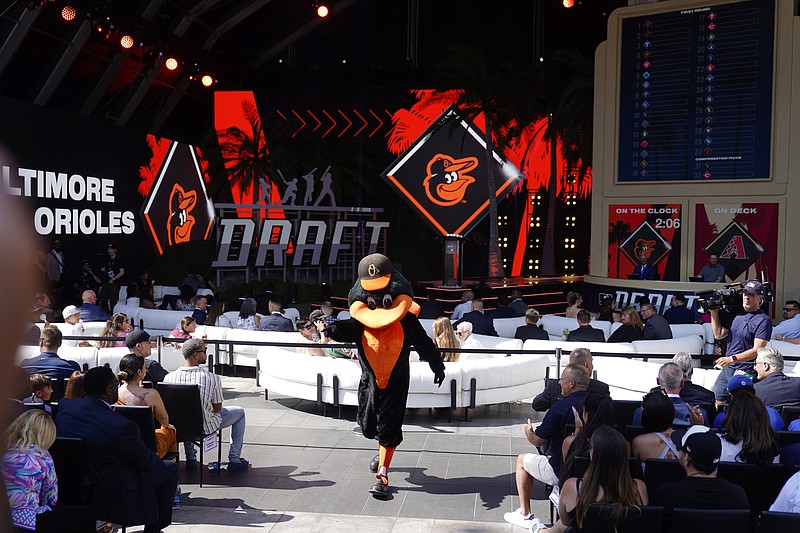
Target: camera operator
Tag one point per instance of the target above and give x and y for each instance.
(750, 329)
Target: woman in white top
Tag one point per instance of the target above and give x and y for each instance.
(574, 301)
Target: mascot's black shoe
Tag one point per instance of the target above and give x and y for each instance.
(373, 465)
(381, 490)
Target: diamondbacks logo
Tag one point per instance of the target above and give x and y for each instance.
(180, 222)
(447, 179)
(737, 249)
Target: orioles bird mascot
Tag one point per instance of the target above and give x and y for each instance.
(384, 325)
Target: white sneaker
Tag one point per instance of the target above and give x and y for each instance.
(537, 525)
(516, 518)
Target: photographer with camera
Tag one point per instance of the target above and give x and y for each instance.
(750, 329)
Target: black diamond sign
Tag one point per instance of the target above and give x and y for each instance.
(645, 240)
(736, 248)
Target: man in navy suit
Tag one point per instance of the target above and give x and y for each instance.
(585, 332)
(644, 269)
(127, 484)
(275, 321)
(481, 324)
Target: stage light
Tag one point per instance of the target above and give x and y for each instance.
(171, 63)
(568, 3)
(207, 80)
(322, 10)
(68, 13)
(126, 42)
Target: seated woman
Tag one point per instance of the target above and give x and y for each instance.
(657, 414)
(597, 411)
(248, 319)
(143, 289)
(117, 326)
(608, 481)
(185, 330)
(444, 337)
(131, 373)
(631, 329)
(747, 436)
(184, 302)
(31, 482)
(216, 316)
(574, 301)
(74, 388)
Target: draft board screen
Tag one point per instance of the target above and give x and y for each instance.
(696, 93)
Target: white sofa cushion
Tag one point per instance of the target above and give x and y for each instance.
(503, 379)
(245, 355)
(83, 355)
(160, 321)
(692, 345)
(507, 327)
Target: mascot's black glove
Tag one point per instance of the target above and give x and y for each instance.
(329, 331)
(438, 377)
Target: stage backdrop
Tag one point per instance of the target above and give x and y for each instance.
(652, 229)
(744, 235)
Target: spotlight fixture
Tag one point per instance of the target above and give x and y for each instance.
(567, 3)
(323, 8)
(171, 63)
(126, 42)
(207, 80)
(68, 13)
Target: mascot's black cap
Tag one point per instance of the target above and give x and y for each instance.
(375, 272)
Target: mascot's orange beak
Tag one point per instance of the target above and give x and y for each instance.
(380, 318)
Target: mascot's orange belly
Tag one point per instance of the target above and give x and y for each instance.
(382, 347)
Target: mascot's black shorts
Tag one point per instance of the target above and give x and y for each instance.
(381, 411)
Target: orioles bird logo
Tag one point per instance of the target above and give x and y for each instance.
(447, 182)
(644, 248)
(180, 222)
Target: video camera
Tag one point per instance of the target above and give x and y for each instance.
(729, 297)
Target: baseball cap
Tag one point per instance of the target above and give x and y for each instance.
(702, 445)
(69, 311)
(111, 245)
(136, 337)
(375, 272)
(753, 286)
(738, 381)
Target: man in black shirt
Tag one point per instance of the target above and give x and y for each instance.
(700, 449)
(552, 391)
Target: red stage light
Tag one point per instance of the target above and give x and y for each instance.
(68, 13)
(126, 42)
(207, 80)
(171, 63)
(568, 3)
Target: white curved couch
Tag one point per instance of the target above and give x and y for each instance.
(467, 384)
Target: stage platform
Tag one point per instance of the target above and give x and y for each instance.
(547, 294)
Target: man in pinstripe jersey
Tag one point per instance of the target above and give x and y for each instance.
(215, 417)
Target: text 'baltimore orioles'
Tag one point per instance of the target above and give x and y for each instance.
(35, 183)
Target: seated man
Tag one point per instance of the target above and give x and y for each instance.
(713, 272)
(464, 335)
(90, 311)
(775, 388)
(552, 430)
(48, 362)
(585, 332)
(552, 391)
(128, 484)
(275, 321)
(678, 313)
(742, 384)
(517, 303)
(481, 324)
(644, 270)
(656, 326)
(215, 417)
(700, 450)
(789, 328)
(690, 393)
(531, 329)
(670, 379)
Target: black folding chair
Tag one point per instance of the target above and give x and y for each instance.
(142, 416)
(790, 413)
(633, 519)
(58, 389)
(704, 520)
(761, 483)
(182, 401)
(658, 471)
(771, 521)
(623, 412)
(69, 458)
